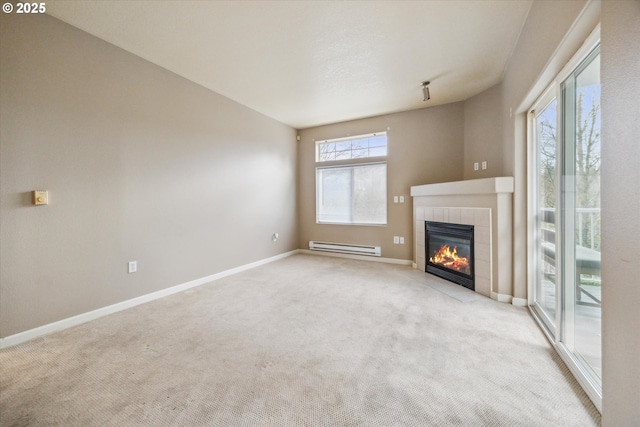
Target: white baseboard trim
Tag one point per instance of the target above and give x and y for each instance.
(501, 297)
(358, 257)
(520, 302)
(21, 337)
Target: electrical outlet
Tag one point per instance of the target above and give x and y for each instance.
(402, 240)
(133, 266)
(484, 165)
(476, 166)
(401, 199)
(395, 199)
(396, 240)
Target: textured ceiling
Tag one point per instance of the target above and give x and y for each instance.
(307, 63)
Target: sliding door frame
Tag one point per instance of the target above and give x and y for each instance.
(542, 103)
(557, 335)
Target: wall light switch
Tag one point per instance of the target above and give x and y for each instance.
(476, 166)
(401, 199)
(395, 199)
(40, 197)
(402, 240)
(396, 240)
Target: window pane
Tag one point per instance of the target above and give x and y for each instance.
(360, 143)
(360, 153)
(326, 152)
(334, 195)
(354, 194)
(343, 155)
(343, 145)
(378, 141)
(546, 153)
(360, 147)
(370, 194)
(585, 238)
(378, 151)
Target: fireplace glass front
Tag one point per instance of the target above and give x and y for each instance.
(449, 249)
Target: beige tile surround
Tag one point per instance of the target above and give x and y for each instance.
(487, 205)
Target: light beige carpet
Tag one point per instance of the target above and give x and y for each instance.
(304, 341)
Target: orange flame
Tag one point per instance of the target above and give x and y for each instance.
(450, 259)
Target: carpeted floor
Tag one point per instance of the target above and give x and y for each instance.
(304, 341)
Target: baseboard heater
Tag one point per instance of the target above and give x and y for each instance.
(345, 248)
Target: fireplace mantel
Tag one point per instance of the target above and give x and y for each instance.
(502, 184)
(485, 203)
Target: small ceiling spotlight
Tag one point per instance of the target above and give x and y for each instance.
(425, 91)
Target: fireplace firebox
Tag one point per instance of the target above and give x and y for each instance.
(449, 249)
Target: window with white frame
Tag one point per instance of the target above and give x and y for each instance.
(351, 186)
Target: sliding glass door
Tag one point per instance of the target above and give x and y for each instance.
(581, 331)
(564, 220)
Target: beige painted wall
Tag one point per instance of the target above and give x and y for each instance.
(547, 25)
(425, 146)
(483, 134)
(140, 164)
(620, 69)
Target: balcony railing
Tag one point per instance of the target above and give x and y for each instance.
(587, 224)
(587, 251)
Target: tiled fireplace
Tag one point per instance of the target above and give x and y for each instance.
(485, 204)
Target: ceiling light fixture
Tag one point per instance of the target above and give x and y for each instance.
(425, 91)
